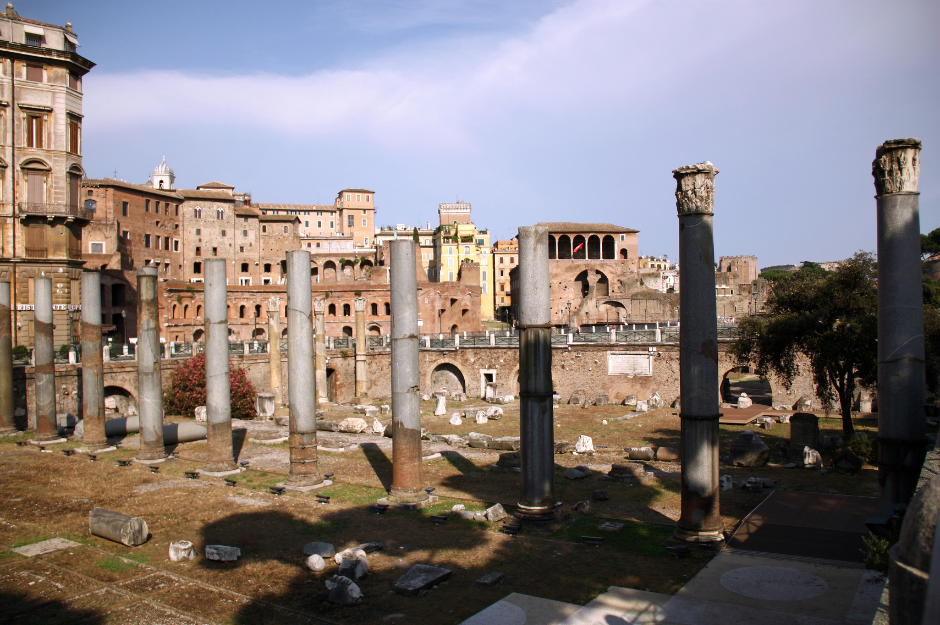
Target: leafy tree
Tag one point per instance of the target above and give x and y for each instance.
(187, 390)
(414, 235)
(832, 319)
(776, 275)
(930, 243)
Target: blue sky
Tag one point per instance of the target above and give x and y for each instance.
(532, 111)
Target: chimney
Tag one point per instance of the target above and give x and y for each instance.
(68, 26)
(10, 11)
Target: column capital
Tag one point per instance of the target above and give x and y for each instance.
(896, 167)
(319, 305)
(360, 304)
(274, 304)
(695, 189)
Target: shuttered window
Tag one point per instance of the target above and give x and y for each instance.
(75, 136)
(34, 72)
(34, 131)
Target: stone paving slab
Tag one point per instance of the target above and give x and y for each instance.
(519, 609)
(46, 546)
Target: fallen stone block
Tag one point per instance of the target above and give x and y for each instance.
(491, 579)
(479, 441)
(655, 401)
(385, 409)
(748, 450)
(601, 400)
(455, 419)
(222, 553)
(811, 458)
(629, 400)
(182, 550)
(325, 550)
(509, 461)
(370, 547)
(353, 425)
(576, 474)
(642, 406)
(584, 445)
(744, 401)
(343, 591)
(315, 563)
(576, 398)
(494, 412)
(495, 513)
(627, 471)
(201, 414)
(583, 507)
(601, 495)
(640, 453)
(506, 443)
(667, 454)
(355, 566)
(563, 447)
(481, 417)
(121, 528)
(420, 577)
(377, 427)
(725, 482)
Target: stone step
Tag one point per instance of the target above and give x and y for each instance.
(519, 609)
(621, 606)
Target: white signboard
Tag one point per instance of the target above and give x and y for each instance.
(54, 307)
(629, 363)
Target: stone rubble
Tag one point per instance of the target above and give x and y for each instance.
(584, 445)
(182, 550)
(222, 553)
(343, 591)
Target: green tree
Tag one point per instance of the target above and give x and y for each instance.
(414, 235)
(930, 243)
(829, 317)
(776, 275)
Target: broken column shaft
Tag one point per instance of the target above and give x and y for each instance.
(407, 486)
(301, 384)
(92, 366)
(901, 376)
(149, 379)
(218, 386)
(44, 356)
(360, 305)
(535, 378)
(7, 422)
(699, 520)
(320, 350)
(274, 348)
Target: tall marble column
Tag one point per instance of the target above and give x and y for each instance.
(149, 378)
(536, 426)
(360, 305)
(699, 519)
(220, 458)
(902, 426)
(92, 366)
(7, 422)
(319, 304)
(274, 349)
(44, 356)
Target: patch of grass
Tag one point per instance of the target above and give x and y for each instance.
(29, 541)
(351, 493)
(639, 538)
(325, 528)
(876, 553)
(114, 564)
(139, 557)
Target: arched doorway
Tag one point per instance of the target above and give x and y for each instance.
(610, 247)
(741, 380)
(594, 247)
(347, 331)
(119, 399)
(375, 330)
(197, 336)
(447, 377)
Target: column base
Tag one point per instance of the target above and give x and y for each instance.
(95, 450)
(540, 518)
(213, 473)
(53, 441)
(362, 400)
(147, 461)
(706, 539)
(291, 488)
(395, 502)
(10, 431)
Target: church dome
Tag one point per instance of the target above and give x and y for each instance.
(162, 169)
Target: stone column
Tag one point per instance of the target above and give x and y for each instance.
(360, 304)
(901, 391)
(699, 520)
(274, 348)
(218, 389)
(304, 470)
(319, 304)
(92, 366)
(407, 487)
(44, 357)
(535, 378)
(149, 380)
(7, 422)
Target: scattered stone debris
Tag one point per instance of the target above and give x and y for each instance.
(315, 563)
(584, 445)
(744, 401)
(811, 458)
(601, 400)
(480, 417)
(182, 550)
(576, 474)
(343, 591)
(325, 550)
(748, 450)
(420, 577)
(667, 454)
(491, 579)
(121, 528)
(846, 460)
(377, 427)
(370, 547)
(629, 400)
(509, 461)
(494, 412)
(640, 453)
(222, 553)
(577, 398)
(353, 564)
(45, 546)
(583, 507)
(610, 526)
(353, 425)
(655, 401)
(563, 447)
(725, 482)
(495, 513)
(766, 423)
(200, 414)
(627, 472)
(641, 406)
(455, 419)
(441, 409)
(601, 495)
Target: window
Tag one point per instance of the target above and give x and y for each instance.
(367, 197)
(502, 287)
(34, 39)
(484, 276)
(176, 245)
(75, 136)
(265, 280)
(166, 208)
(484, 287)
(220, 213)
(388, 308)
(241, 248)
(215, 251)
(244, 267)
(512, 260)
(363, 223)
(358, 197)
(623, 237)
(34, 72)
(500, 260)
(427, 241)
(156, 243)
(466, 249)
(197, 267)
(146, 240)
(450, 276)
(73, 80)
(375, 309)
(501, 273)
(319, 224)
(198, 231)
(166, 243)
(197, 212)
(450, 262)
(34, 134)
(91, 206)
(176, 210)
(146, 206)
(345, 310)
(285, 229)
(125, 234)
(306, 224)
(331, 224)
(365, 240)
(222, 233)
(350, 221)
(348, 197)
(198, 251)
(96, 248)
(244, 233)
(244, 281)
(264, 228)
(267, 267)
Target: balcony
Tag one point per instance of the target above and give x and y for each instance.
(53, 210)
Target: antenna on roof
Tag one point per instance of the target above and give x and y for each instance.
(115, 174)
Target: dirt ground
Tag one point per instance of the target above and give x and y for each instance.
(47, 494)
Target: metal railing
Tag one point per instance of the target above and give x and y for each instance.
(512, 340)
(442, 343)
(636, 336)
(63, 210)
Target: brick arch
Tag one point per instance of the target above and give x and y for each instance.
(513, 382)
(432, 367)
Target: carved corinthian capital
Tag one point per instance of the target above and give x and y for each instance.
(319, 305)
(896, 167)
(360, 304)
(695, 189)
(274, 304)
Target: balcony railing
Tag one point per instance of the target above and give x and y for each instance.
(58, 210)
(36, 252)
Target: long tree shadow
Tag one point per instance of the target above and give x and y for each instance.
(23, 607)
